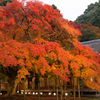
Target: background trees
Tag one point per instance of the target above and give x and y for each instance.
(89, 32)
(91, 15)
(4, 2)
(90, 22)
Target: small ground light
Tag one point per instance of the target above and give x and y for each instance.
(0, 93)
(21, 92)
(17, 91)
(66, 94)
(33, 93)
(54, 94)
(41, 93)
(36, 93)
(49, 93)
(91, 79)
(29, 92)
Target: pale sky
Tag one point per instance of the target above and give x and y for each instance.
(70, 9)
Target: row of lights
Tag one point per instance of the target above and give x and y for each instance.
(41, 93)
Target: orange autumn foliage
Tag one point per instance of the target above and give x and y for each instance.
(25, 32)
(85, 65)
(26, 22)
(36, 57)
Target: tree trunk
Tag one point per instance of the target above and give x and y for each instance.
(38, 87)
(61, 90)
(0, 84)
(48, 84)
(79, 89)
(65, 89)
(11, 88)
(14, 88)
(74, 88)
(24, 89)
(57, 88)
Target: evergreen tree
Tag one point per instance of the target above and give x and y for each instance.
(91, 15)
(54, 7)
(4, 2)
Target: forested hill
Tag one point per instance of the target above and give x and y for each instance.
(91, 15)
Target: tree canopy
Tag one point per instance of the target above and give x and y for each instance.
(24, 22)
(35, 37)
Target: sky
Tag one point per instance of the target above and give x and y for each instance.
(70, 9)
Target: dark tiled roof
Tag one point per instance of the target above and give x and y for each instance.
(95, 44)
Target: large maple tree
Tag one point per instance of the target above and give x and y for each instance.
(28, 41)
(23, 23)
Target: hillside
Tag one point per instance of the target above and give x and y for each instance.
(91, 15)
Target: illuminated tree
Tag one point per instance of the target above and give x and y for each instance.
(28, 42)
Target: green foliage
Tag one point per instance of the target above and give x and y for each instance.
(54, 7)
(91, 15)
(4, 2)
